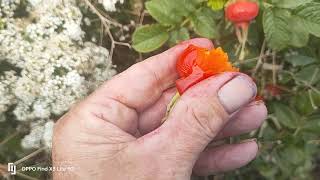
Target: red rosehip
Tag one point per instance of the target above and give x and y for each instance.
(242, 11)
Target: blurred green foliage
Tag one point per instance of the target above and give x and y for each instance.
(282, 55)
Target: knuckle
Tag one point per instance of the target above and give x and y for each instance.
(209, 116)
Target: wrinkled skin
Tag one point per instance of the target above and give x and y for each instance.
(115, 133)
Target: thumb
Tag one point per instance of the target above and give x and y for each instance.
(200, 114)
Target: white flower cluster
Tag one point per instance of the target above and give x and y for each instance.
(50, 67)
(41, 134)
(7, 7)
(7, 97)
(110, 5)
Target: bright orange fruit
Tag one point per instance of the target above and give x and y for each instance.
(196, 64)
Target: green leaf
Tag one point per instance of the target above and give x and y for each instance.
(285, 115)
(310, 14)
(299, 34)
(285, 77)
(178, 35)
(305, 102)
(302, 103)
(149, 37)
(299, 60)
(314, 98)
(283, 164)
(290, 3)
(216, 4)
(308, 75)
(269, 133)
(275, 25)
(185, 7)
(312, 125)
(204, 24)
(267, 171)
(168, 12)
(293, 155)
(162, 11)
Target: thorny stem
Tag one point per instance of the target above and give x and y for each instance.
(242, 36)
(303, 82)
(101, 34)
(110, 20)
(141, 17)
(30, 155)
(106, 23)
(263, 82)
(274, 71)
(268, 66)
(314, 75)
(261, 131)
(296, 131)
(275, 122)
(313, 104)
(170, 106)
(238, 34)
(122, 44)
(250, 60)
(9, 138)
(238, 50)
(260, 60)
(103, 16)
(184, 22)
(315, 141)
(243, 42)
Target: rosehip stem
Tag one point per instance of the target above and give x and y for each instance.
(243, 46)
(170, 106)
(244, 34)
(239, 34)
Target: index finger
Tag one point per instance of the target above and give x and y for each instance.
(143, 83)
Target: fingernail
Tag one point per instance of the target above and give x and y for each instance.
(236, 93)
(255, 103)
(251, 140)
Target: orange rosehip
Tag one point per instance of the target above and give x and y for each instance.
(196, 64)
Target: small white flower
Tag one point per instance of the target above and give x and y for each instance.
(41, 109)
(33, 140)
(87, 21)
(47, 135)
(34, 2)
(56, 68)
(73, 79)
(73, 30)
(40, 135)
(110, 5)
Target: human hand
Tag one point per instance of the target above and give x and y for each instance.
(116, 133)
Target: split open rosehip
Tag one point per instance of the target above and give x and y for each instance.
(196, 64)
